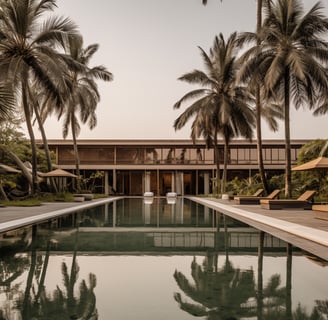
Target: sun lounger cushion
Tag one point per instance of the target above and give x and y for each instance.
(302, 202)
(256, 200)
(320, 211)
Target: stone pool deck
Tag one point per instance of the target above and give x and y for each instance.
(15, 217)
(298, 227)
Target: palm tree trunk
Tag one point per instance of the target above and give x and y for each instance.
(3, 193)
(225, 165)
(44, 139)
(217, 162)
(45, 146)
(289, 283)
(26, 306)
(260, 276)
(258, 112)
(41, 286)
(76, 155)
(28, 120)
(288, 164)
(19, 163)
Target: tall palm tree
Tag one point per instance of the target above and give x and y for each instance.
(259, 107)
(290, 62)
(27, 42)
(84, 96)
(223, 108)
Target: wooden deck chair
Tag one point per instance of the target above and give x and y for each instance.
(257, 193)
(302, 202)
(256, 200)
(320, 211)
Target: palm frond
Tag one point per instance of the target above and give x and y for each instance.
(100, 72)
(197, 77)
(190, 95)
(57, 30)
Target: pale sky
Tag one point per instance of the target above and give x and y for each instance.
(147, 45)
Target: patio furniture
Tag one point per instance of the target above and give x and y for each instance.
(256, 200)
(257, 193)
(320, 211)
(302, 202)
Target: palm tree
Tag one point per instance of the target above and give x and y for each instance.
(288, 59)
(84, 96)
(259, 108)
(223, 107)
(27, 42)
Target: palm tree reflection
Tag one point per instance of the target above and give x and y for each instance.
(63, 303)
(218, 293)
(228, 292)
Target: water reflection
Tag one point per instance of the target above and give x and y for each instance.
(23, 274)
(226, 292)
(110, 263)
(151, 212)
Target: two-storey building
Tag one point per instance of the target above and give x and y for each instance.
(132, 167)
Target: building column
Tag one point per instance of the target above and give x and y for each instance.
(114, 180)
(173, 184)
(106, 182)
(147, 181)
(158, 187)
(197, 177)
(179, 183)
(206, 183)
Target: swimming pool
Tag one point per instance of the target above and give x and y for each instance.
(133, 259)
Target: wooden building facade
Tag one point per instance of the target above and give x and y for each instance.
(132, 167)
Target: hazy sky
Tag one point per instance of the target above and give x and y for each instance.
(147, 45)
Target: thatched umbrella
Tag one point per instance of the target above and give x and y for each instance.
(319, 164)
(60, 176)
(59, 173)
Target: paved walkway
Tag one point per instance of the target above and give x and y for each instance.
(15, 217)
(298, 227)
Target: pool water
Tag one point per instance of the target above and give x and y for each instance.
(135, 260)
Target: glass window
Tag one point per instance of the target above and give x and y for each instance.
(152, 155)
(168, 155)
(181, 155)
(130, 155)
(196, 155)
(253, 155)
(209, 155)
(267, 155)
(281, 152)
(233, 155)
(65, 153)
(274, 155)
(241, 155)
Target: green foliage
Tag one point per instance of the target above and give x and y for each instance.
(100, 195)
(244, 186)
(312, 150)
(12, 137)
(313, 179)
(62, 196)
(89, 184)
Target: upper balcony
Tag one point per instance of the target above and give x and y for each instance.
(175, 154)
